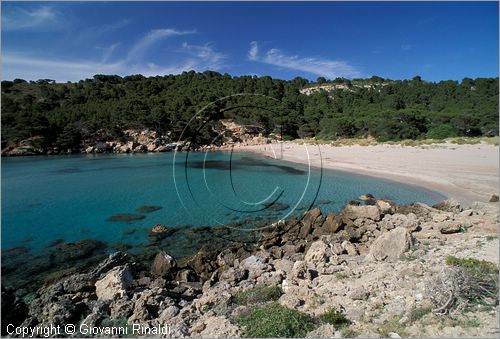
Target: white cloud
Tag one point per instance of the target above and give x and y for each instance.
(193, 57)
(152, 37)
(21, 19)
(254, 51)
(208, 58)
(321, 67)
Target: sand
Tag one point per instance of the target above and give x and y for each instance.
(467, 173)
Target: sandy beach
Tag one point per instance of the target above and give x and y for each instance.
(465, 172)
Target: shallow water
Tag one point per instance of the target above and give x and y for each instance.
(78, 197)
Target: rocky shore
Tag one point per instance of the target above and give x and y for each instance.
(143, 141)
(373, 270)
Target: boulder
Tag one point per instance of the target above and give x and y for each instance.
(449, 205)
(254, 265)
(163, 265)
(408, 221)
(494, 198)
(332, 224)
(319, 252)
(114, 284)
(386, 206)
(390, 246)
(359, 293)
(450, 228)
(353, 212)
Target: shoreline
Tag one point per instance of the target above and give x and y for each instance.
(467, 173)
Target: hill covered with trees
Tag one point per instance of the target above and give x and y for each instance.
(61, 115)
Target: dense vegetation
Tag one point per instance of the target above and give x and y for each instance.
(64, 114)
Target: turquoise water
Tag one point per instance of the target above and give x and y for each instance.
(72, 197)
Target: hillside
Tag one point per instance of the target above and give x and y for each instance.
(59, 118)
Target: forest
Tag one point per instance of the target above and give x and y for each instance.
(64, 114)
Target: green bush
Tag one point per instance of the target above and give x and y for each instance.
(335, 318)
(276, 321)
(258, 295)
(441, 132)
(473, 265)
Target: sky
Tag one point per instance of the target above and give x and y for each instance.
(68, 41)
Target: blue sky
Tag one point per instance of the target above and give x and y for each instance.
(398, 40)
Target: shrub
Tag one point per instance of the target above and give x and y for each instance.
(335, 318)
(418, 312)
(276, 321)
(441, 132)
(466, 282)
(258, 295)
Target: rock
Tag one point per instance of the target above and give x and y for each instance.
(440, 217)
(234, 275)
(114, 284)
(353, 212)
(449, 205)
(148, 208)
(408, 221)
(126, 217)
(386, 206)
(391, 245)
(163, 265)
(450, 228)
(393, 335)
(121, 308)
(14, 310)
(215, 327)
(323, 331)
(349, 248)
(149, 303)
(359, 293)
(159, 232)
(114, 259)
(319, 252)
(204, 263)
(254, 265)
(283, 265)
(309, 221)
(332, 224)
(186, 275)
(494, 198)
(303, 270)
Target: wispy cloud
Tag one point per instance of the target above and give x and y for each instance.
(192, 57)
(108, 52)
(316, 66)
(22, 19)
(151, 38)
(254, 51)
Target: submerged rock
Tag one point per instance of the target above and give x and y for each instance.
(148, 208)
(126, 217)
(159, 232)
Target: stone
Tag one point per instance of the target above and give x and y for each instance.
(332, 223)
(254, 265)
(126, 217)
(353, 212)
(163, 265)
(216, 327)
(319, 252)
(349, 248)
(114, 284)
(450, 228)
(386, 206)
(494, 198)
(391, 245)
(408, 221)
(284, 265)
(323, 331)
(449, 205)
(359, 293)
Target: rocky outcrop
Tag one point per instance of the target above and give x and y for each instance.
(362, 262)
(114, 284)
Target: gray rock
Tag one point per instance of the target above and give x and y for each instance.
(254, 265)
(353, 212)
(163, 265)
(114, 284)
(390, 246)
